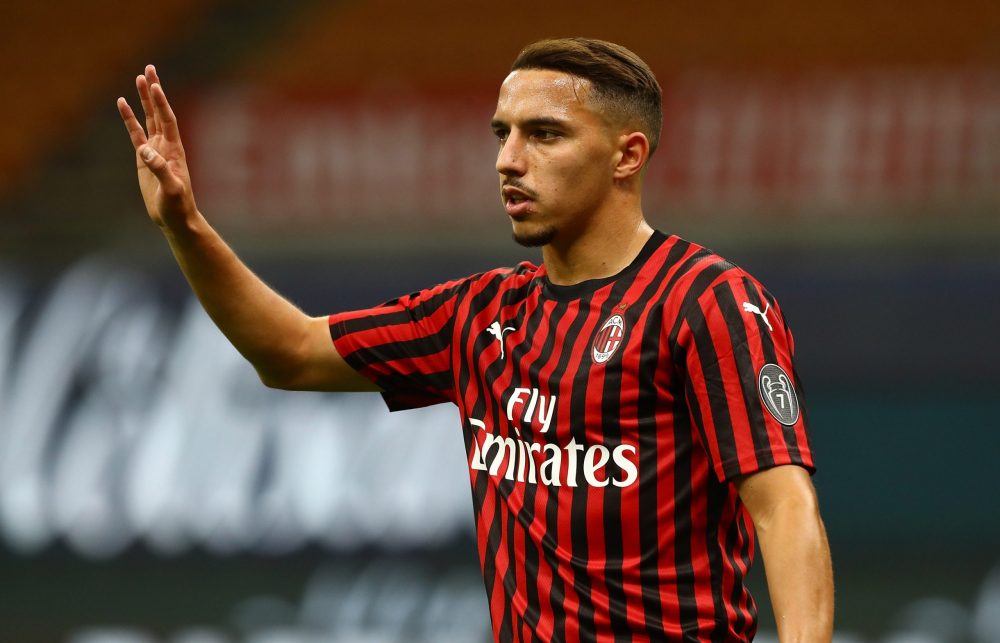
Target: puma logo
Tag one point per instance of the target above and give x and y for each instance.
(750, 308)
(495, 330)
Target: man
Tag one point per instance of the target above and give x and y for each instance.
(625, 405)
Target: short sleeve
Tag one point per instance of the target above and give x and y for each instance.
(403, 345)
(742, 387)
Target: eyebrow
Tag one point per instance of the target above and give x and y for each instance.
(542, 121)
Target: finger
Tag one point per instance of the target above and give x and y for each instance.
(132, 125)
(164, 114)
(142, 85)
(151, 76)
(158, 166)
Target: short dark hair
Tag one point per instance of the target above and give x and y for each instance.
(623, 83)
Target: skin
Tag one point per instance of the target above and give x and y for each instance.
(582, 172)
(570, 179)
(782, 503)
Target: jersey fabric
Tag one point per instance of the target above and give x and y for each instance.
(604, 425)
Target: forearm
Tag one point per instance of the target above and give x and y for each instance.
(799, 572)
(264, 327)
(288, 348)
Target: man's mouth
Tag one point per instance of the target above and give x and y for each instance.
(518, 210)
(517, 201)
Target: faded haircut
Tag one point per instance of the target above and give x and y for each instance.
(623, 84)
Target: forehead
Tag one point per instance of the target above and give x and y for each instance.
(543, 93)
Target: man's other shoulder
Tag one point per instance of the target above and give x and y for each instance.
(700, 269)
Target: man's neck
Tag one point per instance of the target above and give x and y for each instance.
(601, 251)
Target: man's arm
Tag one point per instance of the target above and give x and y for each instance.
(785, 512)
(288, 348)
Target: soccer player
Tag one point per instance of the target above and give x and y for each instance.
(631, 412)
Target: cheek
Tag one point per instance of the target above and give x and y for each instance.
(573, 176)
(573, 164)
(585, 179)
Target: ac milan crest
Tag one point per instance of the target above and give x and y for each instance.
(609, 338)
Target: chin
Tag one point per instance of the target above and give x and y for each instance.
(534, 238)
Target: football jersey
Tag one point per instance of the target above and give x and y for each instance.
(605, 424)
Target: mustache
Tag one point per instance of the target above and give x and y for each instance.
(516, 183)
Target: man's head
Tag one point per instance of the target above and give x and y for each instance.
(623, 86)
(576, 121)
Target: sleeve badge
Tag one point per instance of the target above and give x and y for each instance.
(778, 394)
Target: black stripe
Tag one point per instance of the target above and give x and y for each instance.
(535, 325)
(746, 555)
(496, 368)
(401, 349)
(414, 348)
(695, 290)
(717, 401)
(430, 383)
(481, 486)
(715, 498)
(646, 409)
(485, 294)
(734, 317)
(614, 549)
(793, 442)
(687, 603)
(752, 295)
(478, 410)
(771, 357)
(736, 596)
(581, 494)
(378, 317)
(509, 582)
(502, 487)
(431, 305)
(530, 324)
(557, 595)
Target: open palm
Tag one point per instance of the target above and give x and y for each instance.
(164, 179)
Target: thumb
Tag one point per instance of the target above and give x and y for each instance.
(158, 166)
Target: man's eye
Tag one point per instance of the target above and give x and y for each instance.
(501, 135)
(546, 135)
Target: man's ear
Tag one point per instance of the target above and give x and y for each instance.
(633, 152)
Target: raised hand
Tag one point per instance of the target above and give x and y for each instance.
(164, 179)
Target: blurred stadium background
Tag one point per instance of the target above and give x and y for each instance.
(848, 154)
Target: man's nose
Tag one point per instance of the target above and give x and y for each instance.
(510, 158)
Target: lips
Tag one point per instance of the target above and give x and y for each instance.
(516, 201)
(518, 208)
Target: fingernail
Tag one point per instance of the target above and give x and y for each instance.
(147, 153)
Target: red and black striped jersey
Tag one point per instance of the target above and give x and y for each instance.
(604, 424)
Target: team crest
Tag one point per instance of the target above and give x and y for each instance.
(778, 394)
(609, 338)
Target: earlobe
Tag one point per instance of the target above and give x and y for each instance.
(633, 152)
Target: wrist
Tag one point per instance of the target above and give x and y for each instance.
(190, 225)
